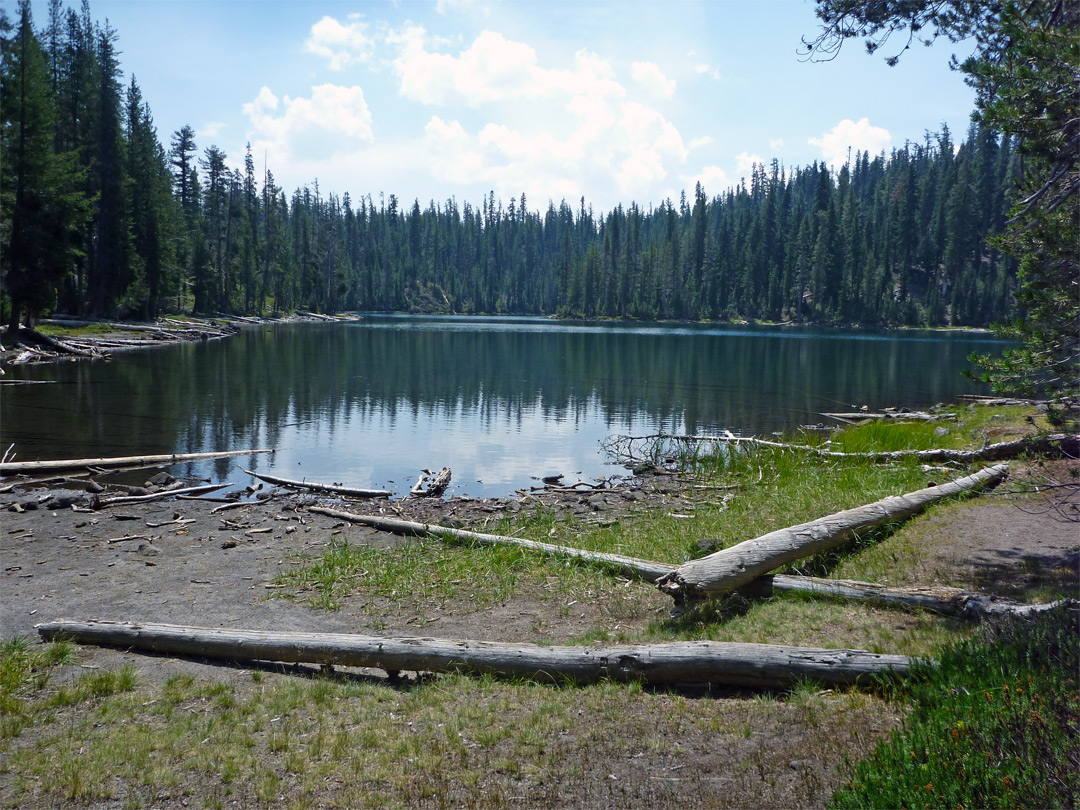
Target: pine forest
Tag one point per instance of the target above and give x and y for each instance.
(104, 216)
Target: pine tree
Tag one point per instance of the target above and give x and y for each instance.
(40, 199)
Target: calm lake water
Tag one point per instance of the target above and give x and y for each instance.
(498, 400)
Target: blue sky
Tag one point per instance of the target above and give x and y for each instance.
(613, 101)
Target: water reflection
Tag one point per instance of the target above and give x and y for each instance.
(498, 400)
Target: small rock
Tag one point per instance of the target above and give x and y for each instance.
(229, 544)
(148, 550)
(28, 506)
(706, 546)
(941, 431)
(598, 503)
(162, 479)
(94, 487)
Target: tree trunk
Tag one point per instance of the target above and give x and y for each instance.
(753, 665)
(730, 568)
(13, 467)
(356, 493)
(628, 566)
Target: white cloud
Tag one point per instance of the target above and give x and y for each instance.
(342, 45)
(776, 143)
(333, 119)
(704, 140)
(446, 6)
(492, 69)
(744, 161)
(211, 129)
(850, 135)
(713, 179)
(710, 71)
(649, 76)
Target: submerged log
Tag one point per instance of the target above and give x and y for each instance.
(14, 467)
(730, 568)
(753, 665)
(628, 566)
(334, 488)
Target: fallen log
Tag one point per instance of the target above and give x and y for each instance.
(124, 461)
(752, 665)
(1056, 443)
(628, 566)
(334, 488)
(101, 503)
(730, 568)
(947, 601)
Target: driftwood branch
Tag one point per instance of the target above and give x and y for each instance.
(334, 488)
(730, 568)
(102, 503)
(628, 566)
(435, 489)
(11, 468)
(753, 665)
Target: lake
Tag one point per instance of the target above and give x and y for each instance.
(498, 400)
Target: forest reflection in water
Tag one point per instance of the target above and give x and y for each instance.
(496, 399)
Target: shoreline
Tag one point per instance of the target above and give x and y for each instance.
(63, 339)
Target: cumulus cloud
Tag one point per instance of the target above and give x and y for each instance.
(713, 179)
(579, 128)
(332, 119)
(211, 129)
(744, 161)
(342, 45)
(492, 69)
(649, 76)
(851, 135)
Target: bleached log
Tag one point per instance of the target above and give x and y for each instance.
(102, 503)
(14, 467)
(947, 601)
(334, 488)
(752, 665)
(730, 568)
(628, 566)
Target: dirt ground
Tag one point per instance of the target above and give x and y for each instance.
(175, 561)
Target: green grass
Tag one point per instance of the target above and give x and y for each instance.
(995, 724)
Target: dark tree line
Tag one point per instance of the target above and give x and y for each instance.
(100, 218)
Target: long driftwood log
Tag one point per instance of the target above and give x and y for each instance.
(101, 503)
(628, 566)
(309, 485)
(14, 467)
(723, 571)
(947, 601)
(1055, 443)
(753, 665)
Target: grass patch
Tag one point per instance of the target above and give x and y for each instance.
(995, 724)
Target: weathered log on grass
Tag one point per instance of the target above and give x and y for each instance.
(947, 601)
(730, 568)
(332, 488)
(14, 467)
(752, 665)
(628, 566)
